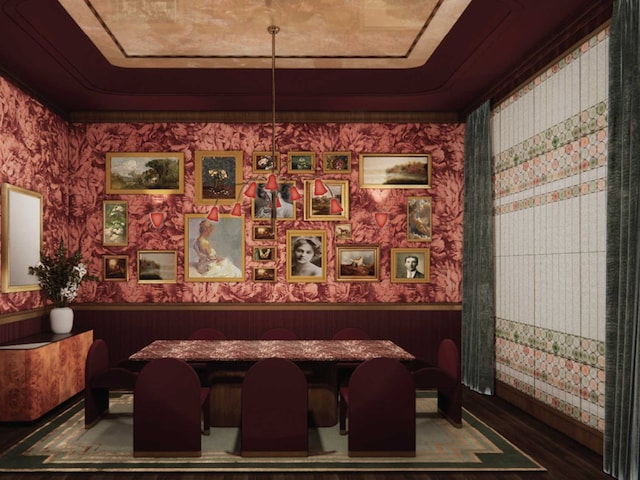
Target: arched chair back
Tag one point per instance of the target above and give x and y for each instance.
(207, 333)
(381, 409)
(445, 377)
(274, 409)
(279, 333)
(351, 333)
(99, 379)
(167, 407)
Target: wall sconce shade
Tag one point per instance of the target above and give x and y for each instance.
(157, 218)
(294, 194)
(236, 211)
(319, 188)
(381, 218)
(213, 214)
(251, 190)
(335, 206)
(272, 183)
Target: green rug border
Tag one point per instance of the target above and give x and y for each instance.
(511, 459)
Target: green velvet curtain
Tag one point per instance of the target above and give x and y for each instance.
(478, 288)
(622, 369)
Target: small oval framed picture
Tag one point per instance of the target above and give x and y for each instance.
(410, 265)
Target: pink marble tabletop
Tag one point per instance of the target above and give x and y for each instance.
(254, 350)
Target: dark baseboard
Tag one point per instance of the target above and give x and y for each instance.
(587, 436)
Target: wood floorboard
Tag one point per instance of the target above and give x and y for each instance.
(564, 458)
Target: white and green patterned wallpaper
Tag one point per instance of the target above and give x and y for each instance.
(549, 149)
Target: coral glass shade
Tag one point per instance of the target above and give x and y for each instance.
(157, 218)
(213, 214)
(335, 206)
(381, 218)
(294, 194)
(251, 190)
(236, 211)
(319, 188)
(272, 183)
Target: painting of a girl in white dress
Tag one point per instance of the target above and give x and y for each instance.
(214, 250)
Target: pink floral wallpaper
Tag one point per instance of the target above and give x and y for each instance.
(40, 151)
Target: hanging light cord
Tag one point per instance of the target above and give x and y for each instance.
(273, 30)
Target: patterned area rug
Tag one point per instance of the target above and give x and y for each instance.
(63, 445)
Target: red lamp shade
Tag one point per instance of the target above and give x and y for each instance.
(251, 190)
(272, 183)
(335, 206)
(381, 218)
(319, 188)
(236, 211)
(213, 214)
(278, 203)
(157, 218)
(294, 194)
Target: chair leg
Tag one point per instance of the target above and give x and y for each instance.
(206, 414)
(343, 408)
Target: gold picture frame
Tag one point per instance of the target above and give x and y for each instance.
(301, 162)
(263, 232)
(261, 205)
(157, 266)
(306, 256)
(148, 173)
(261, 162)
(400, 263)
(391, 170)
(265, 253)
(358, 263)
(264, 274)
(21, 237)
(419, 224)
(214, 251)
(316, 207)
(115, 223)
(336, 162)
(115, 268)
(218, 176)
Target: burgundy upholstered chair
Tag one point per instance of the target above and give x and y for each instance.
(207, 333)
(345, 369)
(445, 377)
(274, 410)
(380, 405)
(279, 333)
(167, 405)
(100, 378)
(351, 333)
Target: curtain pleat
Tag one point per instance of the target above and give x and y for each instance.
(622, 382)
(478, 287)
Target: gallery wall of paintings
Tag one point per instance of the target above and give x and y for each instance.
(396, 235)
(137, 218)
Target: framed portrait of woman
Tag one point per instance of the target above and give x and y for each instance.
(306, 256)
(213, 251)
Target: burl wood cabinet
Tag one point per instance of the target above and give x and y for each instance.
(40, 372)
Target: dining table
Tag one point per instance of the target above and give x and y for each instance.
(228, 360)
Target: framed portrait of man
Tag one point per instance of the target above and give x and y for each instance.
(410, 265)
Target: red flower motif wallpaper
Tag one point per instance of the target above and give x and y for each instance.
(67, 164)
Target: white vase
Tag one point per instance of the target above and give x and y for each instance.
(61, 319)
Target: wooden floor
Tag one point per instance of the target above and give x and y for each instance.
(563, 458)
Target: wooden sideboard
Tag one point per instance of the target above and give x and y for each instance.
(39, 372)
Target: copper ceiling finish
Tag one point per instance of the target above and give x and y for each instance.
(214, 56)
